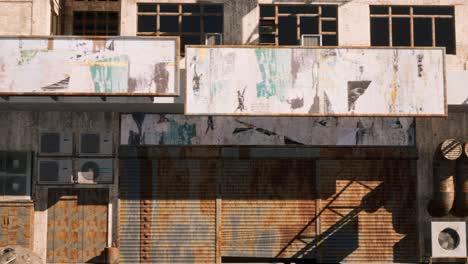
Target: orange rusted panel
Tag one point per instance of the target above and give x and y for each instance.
(16, 226)
(77, 225)
(368, 211)
(268, 208)
(167, 211)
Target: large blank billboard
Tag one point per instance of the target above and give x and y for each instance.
(256, 81)
(117, 66)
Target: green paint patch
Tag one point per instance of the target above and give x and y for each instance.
(28, 55)
(274, 68)
(110, 75)
(180, 134)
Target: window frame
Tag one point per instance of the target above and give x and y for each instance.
(179, 15)
(412, 16)
(95, 31)
(318, 14)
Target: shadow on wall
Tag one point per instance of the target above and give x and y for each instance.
(282, 210)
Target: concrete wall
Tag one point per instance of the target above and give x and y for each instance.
(21, 131)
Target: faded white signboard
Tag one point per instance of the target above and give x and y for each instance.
(159, 129)
(91, 66)
(315, 81)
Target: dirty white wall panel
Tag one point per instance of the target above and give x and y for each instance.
(310, 81)
(155, 129)
(83, 65)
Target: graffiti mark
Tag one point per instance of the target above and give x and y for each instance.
(161, 77)
(420, 65)
(240, 100)
(362, 132)
(248, 127)
(328, 105)
(132, 83)
(209, 124)
(63, 84)
(296, 103)
(162, 119)
(136, 138)
(355, 90)
(196, 80)
(181, 134)
(111, 45)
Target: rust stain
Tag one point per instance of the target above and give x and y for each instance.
(132, 83)
(99, 44)
(161, 77)
(50, 44)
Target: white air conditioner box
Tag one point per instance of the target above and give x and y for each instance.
(93, 171)
(311, 40)
(55, 171)
(448, 239)
(95, 144)
(213, 39)
(56, 143)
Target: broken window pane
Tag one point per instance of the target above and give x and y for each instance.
(379, 10)
(329, 40)
(445, 34)
(379, 32)
(146, 8)
(433, 10)
(309, 25)
(401, 32)
(169, 24)
(191, 24)
(287, 31)
(146, 23)
(423, 32)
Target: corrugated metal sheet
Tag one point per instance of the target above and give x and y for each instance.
(167, 211)
(363, 210)
(369, 211)
(268, 208)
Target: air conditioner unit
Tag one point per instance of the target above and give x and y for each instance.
(18, 163)
(311, 40)
(95, 144)
(213, 39)
(448, 239)
(56, 143)
(93, 171)
(55, 171)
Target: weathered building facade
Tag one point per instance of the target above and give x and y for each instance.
(236, 188)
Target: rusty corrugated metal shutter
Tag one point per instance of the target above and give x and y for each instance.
(167, 211)
(369, 211)
(268, 208)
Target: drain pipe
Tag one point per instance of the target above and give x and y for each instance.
(444, 172)
(460, 206)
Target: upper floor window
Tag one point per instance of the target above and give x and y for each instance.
(191, 22)
(413, 26)
(286, 24)
(92, 23)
